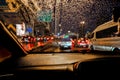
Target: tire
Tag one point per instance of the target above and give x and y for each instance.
(91, 48)
(116, 51)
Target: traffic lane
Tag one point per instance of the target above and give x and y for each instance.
(52, 47)
(30, 45)
(47, 47)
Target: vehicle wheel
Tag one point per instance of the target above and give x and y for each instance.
(84, 51)
(91, 48)
(116, 51)
(61, 48)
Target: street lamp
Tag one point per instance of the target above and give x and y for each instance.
(68, 31)
(82, 24)
(60, 29)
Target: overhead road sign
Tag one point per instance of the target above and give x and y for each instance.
(3, 5)
(44, 16)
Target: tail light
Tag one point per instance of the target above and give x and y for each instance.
(47, 38)
(52, 38)
(87, 41)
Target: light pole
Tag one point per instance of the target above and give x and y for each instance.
(82, 25)
(57, 18)
(55, 25)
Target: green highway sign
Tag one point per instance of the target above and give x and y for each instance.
(45, 16)
(3, 5)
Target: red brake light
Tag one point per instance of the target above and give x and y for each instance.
(52, 38)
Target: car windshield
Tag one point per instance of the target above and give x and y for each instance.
(59, 39)
(80, 25)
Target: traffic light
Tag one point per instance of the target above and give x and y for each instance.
(116, 13)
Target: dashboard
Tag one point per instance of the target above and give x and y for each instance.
(99, 67)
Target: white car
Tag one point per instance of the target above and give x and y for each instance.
(65, 43)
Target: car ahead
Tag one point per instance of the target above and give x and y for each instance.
(83, 44)
(28, 39)
(65, 43)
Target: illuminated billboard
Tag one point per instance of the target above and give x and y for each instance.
(20, 29)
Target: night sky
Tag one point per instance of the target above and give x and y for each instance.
(93, 12)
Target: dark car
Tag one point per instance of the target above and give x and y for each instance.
(83, 44)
